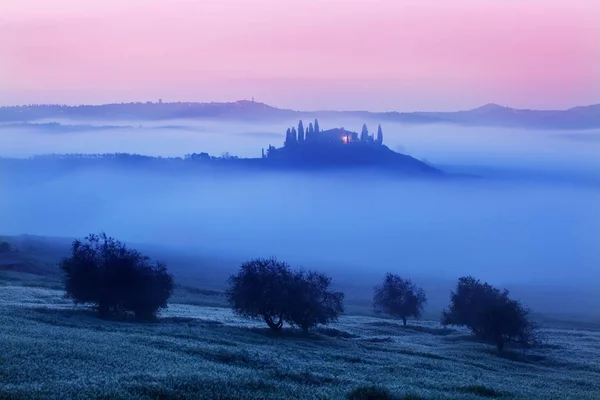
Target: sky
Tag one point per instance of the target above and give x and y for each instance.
(377, 55)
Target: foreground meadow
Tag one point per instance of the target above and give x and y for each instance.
(53, 350)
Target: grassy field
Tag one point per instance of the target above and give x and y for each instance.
(53, 350)
(50, 349)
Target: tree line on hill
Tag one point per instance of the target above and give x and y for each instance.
(118, 281)
(294, 137)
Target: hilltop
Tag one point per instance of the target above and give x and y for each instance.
(342, 149)
(582, 117)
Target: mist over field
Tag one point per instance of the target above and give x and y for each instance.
(531, 221)
(438, 143)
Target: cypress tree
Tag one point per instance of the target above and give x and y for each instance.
(288, 135)
(311, 132)
(294, 136)
(364, 134)
(379, 135)
(316, 126)
(300, 131)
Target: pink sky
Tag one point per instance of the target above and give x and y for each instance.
(304, 54)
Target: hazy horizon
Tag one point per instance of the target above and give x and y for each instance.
(316, 54)
(208, 101)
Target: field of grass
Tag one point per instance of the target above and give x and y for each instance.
(200, 350)
(50, 349)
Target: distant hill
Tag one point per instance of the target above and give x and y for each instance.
(55, 127)
(311, 156)
(493, 115)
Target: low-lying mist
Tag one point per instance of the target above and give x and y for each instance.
(534, 236)
(509, 234)
(438, 143)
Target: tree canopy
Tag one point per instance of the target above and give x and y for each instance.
(268, 289)
(399, 298)
(312, 302)
(489, 313)
(260, 290)
(103, 272)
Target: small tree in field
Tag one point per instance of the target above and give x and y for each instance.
(103, 272)
(312, 302)
(261, 290)
(489, 313)
(399, 298)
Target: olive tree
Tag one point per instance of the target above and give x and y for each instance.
(312, 300)
(268, 289)
(399, 298)
(489, 313)
(103, 272)
(260, 290)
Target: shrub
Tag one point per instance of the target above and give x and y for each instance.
(260, 290)
(311, 300)
(399, 298)
(489, 313)
(103, 272)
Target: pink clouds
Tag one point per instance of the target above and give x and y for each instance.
(375, 54)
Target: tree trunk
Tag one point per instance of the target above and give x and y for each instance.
(305, 329)
(103, 310)
(404, 321)
(275, 326)
(500, 344)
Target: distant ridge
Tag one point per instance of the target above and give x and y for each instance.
(493, 115)
(490, 107)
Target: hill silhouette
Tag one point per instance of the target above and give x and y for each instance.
(582, 117)
(318, 155)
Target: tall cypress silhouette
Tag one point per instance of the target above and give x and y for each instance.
(300, 131)
(379, 135)
(311, 132)
(364, 134)
(316, 125)
(288, 135)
